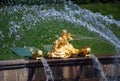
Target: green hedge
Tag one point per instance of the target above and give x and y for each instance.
(52, 1)
(27, 1)
(84, 1)
(93, 1)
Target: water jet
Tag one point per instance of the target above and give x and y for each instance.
(27, 17)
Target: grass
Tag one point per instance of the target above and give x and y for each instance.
(48, 30)
(105, 8)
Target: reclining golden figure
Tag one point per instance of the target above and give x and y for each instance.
(62, 48)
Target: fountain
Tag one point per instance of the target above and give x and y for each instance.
(62, 49)
(28, 17)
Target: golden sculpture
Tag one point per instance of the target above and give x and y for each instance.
(86, 51)
(36, 53)
(62, 48)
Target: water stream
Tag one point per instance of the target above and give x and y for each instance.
(48, 71)
(99, 66)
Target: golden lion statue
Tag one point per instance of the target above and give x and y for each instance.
(86, 51)
(36, 53)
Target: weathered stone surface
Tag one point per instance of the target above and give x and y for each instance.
(39, 75)
(14, 75)
(11, 75)
(22, 74)
(1, 75)
(75, 69)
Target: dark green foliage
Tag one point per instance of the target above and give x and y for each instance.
(93, 1)
(105, 9)
(31, 2)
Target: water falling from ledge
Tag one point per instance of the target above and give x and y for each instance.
(47, 70)
(99, 66)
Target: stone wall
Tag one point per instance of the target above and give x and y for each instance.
(71, 73)
(14, 75)
(17, 70)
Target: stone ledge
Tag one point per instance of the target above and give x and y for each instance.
(22, 63)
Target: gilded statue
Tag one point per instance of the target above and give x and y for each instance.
(86, 52)
(62, 48)
(36, 53)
